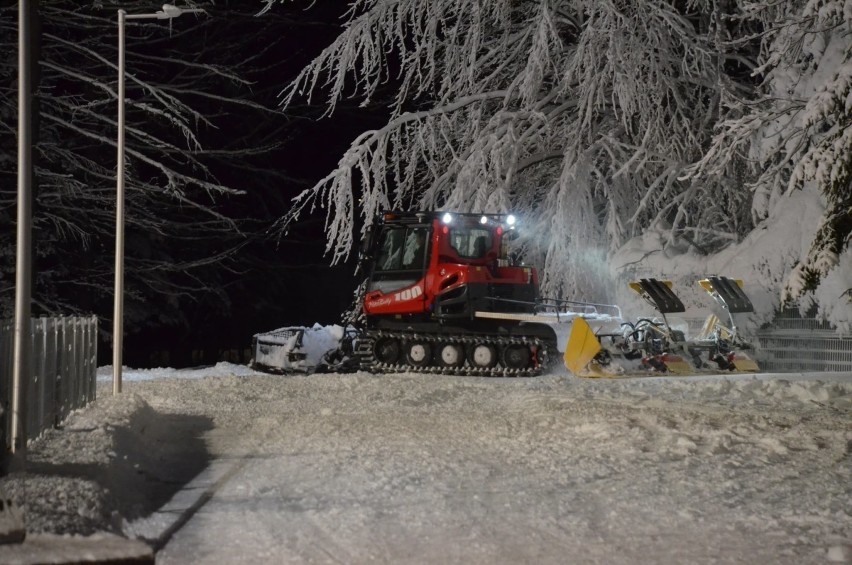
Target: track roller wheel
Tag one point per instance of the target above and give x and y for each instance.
(386, 350)
(516, 356)
(418, 353)
(482, 355)
(451, 355)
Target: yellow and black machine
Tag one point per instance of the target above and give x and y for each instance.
(650, 346)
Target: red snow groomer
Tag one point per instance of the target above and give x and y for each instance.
(444, 295)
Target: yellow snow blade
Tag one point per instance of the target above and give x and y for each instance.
(676, 365)
(582, 346)
(745, 365)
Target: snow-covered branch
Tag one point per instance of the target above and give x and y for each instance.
(617, 118)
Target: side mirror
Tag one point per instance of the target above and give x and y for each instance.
(367, 243)
(365, 251)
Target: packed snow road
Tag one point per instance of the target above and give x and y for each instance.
(407, 468)
(412, 468)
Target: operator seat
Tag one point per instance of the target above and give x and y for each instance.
(480, 246)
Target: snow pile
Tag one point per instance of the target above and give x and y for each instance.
(791, 390)
(63, 491)
(221, 369)
(108, 462)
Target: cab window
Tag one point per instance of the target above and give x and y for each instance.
(401, 259)
(402, 249)
(470, 243)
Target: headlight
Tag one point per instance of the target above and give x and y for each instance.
(447, 218)
(510, 220)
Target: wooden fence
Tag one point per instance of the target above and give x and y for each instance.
(63, 370)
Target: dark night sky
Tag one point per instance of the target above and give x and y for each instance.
(274, 281)
(297, 286)
(290, 281)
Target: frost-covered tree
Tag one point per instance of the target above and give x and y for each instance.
(597, 120)
(792, 132)
(186, 84)
(579, 115)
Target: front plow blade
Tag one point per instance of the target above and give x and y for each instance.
(743, 364)
(676, 365)
(737, 363)
(582, 347)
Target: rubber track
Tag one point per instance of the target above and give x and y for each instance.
(368, 362)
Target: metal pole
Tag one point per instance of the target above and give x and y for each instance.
(118, 307)
(168, 12)
(23, 276)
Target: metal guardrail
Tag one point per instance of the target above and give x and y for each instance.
(786, 351)
(64, 368)
(796, 342)
(792, 343)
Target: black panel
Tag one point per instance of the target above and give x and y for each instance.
(662, 296)
(732, 295)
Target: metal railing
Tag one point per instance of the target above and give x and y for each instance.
(813, 351)
(63, 365)
(793, 342)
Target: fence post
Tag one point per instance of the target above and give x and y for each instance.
(40, 361)
(93, 357)
(33, 380)
(84, 358)
(49, 372)
(61, 371)
(75, 360)
(6, 337)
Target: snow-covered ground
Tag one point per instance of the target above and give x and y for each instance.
(222, 465)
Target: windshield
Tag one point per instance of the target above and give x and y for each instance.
(402, 249)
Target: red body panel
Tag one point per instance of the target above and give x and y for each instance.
(447, 270)
(410, 300)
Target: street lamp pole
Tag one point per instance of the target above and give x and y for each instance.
(22, 351)
(168, 12)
